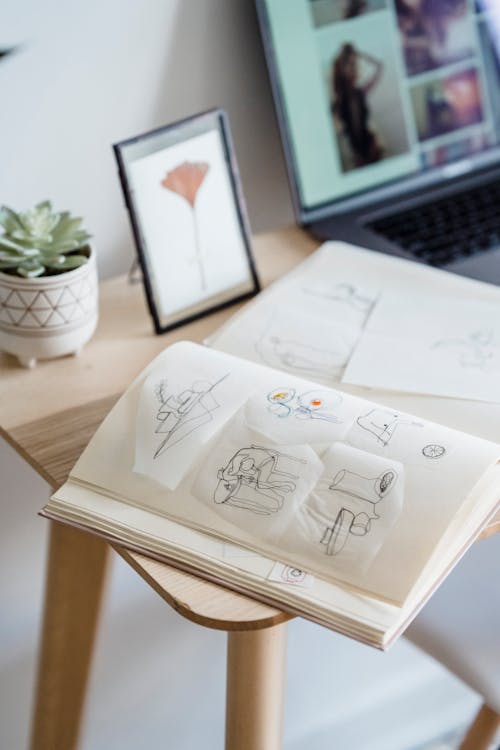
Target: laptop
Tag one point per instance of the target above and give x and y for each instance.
(389, 112)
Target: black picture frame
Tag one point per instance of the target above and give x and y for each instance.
(172, 135)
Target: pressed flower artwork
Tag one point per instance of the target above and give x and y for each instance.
(182, 191)
(186, 180)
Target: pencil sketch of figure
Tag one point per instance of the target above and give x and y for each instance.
(343, 292)
(302, 357)
(180, 414)
(316, 404)
(360, 496)
(253, 479)
(476, 350)
(383, 423)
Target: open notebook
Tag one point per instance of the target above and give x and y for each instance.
(223, 467)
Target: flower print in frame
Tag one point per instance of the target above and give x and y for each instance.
(188, 218)
(185, 180)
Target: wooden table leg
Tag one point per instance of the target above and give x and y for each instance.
(256, 664)
(483, 730)
(75, 577)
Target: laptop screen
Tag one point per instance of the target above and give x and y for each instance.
(377, 92)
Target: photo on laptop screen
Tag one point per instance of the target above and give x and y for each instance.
(381, 90)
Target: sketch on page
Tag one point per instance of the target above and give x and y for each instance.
(301, 357)
(433, 451)
(383, 423)
(401, 437)
(476, 350)
(286, 331)
(351, 510)
(367, 492)
(290, 575)
(296, 413)
(181, 404)
(179, 414)
(255, 479)
(427, 343)
(343, 292)
(315, 404)
(254, 482)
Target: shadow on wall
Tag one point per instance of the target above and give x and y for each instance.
(226, 67)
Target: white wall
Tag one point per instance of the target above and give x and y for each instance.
(92, 72)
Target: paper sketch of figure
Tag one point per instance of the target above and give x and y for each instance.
(356, 515)
(343, 292)
(301, 357)
(180, 414)
(316, 404)
(476, 350)
(383, 423)
(253, 479)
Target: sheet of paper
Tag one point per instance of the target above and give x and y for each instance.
(292, 412)
(347, 517)
(289, 338)
(428, 343)
(306, 324)
(435, 482)
(253, 482)
(182, 404)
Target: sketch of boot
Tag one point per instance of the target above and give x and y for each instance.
(364, 488)
(361, 524)
(383, 424)
(336, 536)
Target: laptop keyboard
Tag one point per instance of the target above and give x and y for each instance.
(452, 228)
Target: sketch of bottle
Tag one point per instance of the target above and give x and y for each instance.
(185, 180)
(355, 516)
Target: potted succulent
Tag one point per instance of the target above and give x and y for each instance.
(48, 284)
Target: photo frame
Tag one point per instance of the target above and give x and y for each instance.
(183, 194)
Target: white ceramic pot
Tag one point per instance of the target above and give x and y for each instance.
(48, 316)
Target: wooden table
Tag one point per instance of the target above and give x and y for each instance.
(48, 417)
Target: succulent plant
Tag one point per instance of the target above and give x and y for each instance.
(40, 242)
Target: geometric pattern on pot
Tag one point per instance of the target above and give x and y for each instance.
(49, 308)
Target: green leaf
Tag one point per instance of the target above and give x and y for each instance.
(56, 248)
(68, 262)
(12, 263)
(21, 235)
(9, 219)
(10, 245)
(30, 271)
(66, 227)
(44, 205)
(6, 253)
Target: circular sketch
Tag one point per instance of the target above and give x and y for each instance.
(433, 450)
